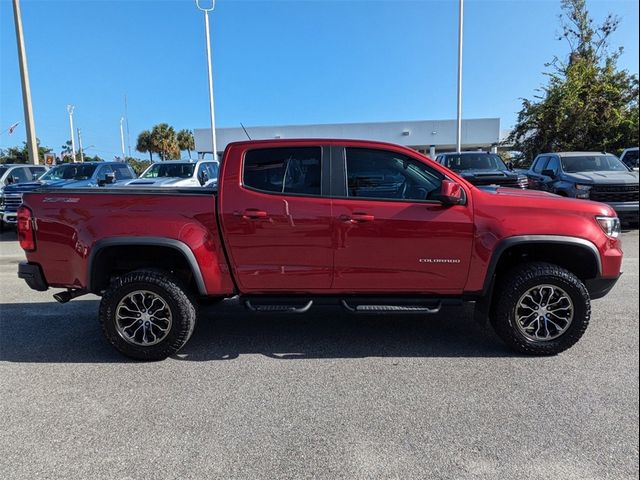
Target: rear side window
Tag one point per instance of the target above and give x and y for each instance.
(284, 170)
(540, 163)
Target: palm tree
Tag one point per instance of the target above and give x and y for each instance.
(164, 141)
(186, 141)
(144, 143)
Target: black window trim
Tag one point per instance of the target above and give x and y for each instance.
(340, 166)
(325, 158)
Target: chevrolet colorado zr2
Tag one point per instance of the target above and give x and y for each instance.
(371, 227)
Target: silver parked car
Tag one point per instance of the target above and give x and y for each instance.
(179, 173)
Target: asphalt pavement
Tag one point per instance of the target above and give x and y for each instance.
(324, 395)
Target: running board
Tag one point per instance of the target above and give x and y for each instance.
(271, 308)
(385, 309)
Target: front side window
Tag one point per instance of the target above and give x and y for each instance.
(388, 175)
(539, 165)
(122, 171)
(593, 163)
(175, 170)
(36, 172)
(553, 165)
(70, 171)
(631, 159)
(284, 170)
(21, 175)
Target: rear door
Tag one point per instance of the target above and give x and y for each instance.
(276, 218)
(390, 235)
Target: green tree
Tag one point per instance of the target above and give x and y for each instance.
(21, 154)
(186, 141)
(587, 104)
(165, 142)
(138, 165)
(144, 144)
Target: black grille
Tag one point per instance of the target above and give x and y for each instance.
(614, 193)
(502, 181)
(12, 201)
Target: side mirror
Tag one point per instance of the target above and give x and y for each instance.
(548, 173)
(510, 166)
(204, 178)
(451, 193)
(10, 180)
(109, 178)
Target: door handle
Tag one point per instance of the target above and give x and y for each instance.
(357, 218)
(253, 214)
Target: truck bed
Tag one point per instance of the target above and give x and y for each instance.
(73, 223)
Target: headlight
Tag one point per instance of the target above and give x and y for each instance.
(583, 187)
(610, 226)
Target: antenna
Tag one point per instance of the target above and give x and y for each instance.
(245, 131)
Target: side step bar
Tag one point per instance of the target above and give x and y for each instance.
(385, 309)
(271, 308)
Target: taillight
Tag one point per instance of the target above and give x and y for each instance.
(26, 234)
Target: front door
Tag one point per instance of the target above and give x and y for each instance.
(390, 235)
(276, 220)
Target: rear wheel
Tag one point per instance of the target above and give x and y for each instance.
(147, 315)
(541, 309)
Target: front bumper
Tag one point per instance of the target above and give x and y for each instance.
(32, 274)
(599, 287)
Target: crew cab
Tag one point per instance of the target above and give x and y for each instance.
(588, 175)
(372, 228)
(483, 168)
(178, 173)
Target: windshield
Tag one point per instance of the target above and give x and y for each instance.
(72, 171)
(176, 170)
(480, 161)
(593, 163)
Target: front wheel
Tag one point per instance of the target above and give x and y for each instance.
(540, 309)
(147, 315)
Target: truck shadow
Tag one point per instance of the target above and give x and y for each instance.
(54, 333)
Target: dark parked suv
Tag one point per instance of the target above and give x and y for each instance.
(482, 168)
(588, 175)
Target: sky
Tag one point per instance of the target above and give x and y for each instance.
(277, 62)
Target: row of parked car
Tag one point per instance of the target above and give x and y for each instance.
(15, 180)
(596, 176)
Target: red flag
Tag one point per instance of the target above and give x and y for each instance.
(13, 127)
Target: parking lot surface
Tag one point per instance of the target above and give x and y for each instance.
(324, 395)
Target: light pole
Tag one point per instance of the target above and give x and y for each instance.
(459, 119)
(208, 45)
(73, 141)
(32, 142)
(80, 145)
(122, 138)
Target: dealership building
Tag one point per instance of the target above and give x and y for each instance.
(426, 136)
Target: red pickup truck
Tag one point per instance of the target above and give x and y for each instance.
(374, 228)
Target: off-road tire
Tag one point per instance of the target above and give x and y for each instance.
(512, 285)
(178, 298)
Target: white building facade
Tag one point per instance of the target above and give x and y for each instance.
(426, 136)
